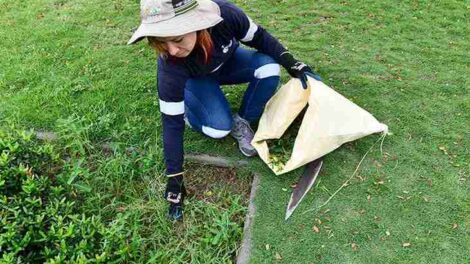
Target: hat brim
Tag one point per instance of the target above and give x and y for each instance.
(205, 15)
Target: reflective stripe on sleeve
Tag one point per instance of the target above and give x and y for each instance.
(251, 31)
(175, 174)
(172, 108)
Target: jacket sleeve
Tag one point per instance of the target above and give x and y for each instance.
(249, 33)
(170, 85)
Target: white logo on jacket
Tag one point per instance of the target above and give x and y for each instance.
(225, 48)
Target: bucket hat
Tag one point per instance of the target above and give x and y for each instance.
(168, 18)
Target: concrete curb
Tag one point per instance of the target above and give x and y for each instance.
(244, 252)
(215, 160)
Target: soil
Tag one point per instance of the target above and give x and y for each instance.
(212, 184)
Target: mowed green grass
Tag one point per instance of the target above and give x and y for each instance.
(406, 62)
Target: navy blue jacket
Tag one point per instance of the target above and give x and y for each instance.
(172, 74)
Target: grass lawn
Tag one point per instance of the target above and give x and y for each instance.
(65, 67)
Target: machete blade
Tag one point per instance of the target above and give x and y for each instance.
(305, 183)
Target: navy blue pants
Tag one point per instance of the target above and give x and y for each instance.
(206, 108)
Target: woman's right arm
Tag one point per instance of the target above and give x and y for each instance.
(171, 80)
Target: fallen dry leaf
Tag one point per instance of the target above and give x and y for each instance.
(406, 244)
(454, 226)
(316, 229)
(354, 246)
(443, 149)
(403, 198)
(278, 256)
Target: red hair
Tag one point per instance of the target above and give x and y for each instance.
(203, 45)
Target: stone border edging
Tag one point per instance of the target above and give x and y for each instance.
(244, 253)
(215, 160)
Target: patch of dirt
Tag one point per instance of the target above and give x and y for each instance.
(214, 184)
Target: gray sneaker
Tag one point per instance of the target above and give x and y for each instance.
(243, 133)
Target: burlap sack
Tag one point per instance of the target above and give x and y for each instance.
(329, 121)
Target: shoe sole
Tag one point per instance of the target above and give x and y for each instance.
(241, 150)
(247, 154)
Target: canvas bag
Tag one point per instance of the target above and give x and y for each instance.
(329, 121)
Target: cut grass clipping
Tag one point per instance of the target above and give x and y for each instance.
(280, 150)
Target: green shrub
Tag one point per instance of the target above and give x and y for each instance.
(40, 217)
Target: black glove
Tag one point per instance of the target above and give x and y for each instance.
(297, 69)
(174, 194)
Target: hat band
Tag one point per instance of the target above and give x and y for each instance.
(183, 9)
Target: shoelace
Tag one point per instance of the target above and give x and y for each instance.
(242, 127)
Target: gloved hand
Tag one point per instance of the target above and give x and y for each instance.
(174, 194)
(297, 69)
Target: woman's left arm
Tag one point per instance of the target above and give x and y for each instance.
(253, 35)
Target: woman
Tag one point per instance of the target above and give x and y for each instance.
(198, 42)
